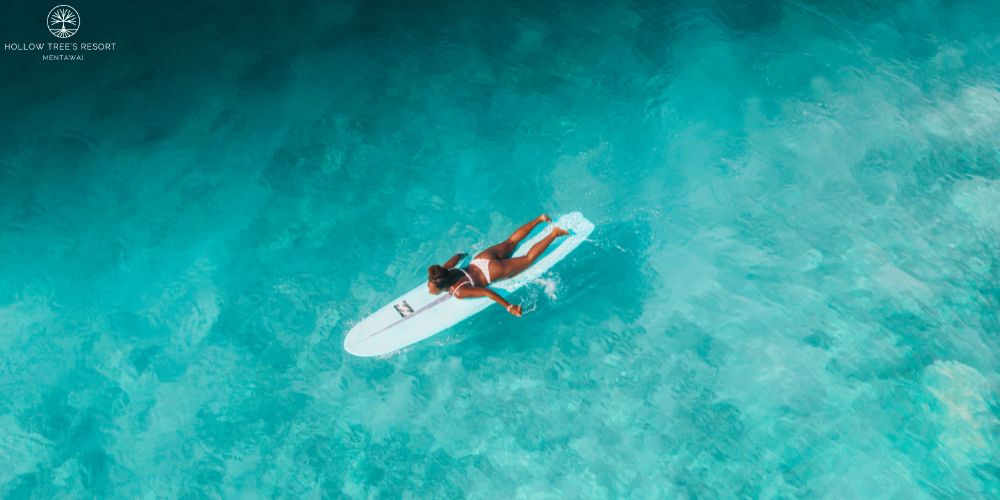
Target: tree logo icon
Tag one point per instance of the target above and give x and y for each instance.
(63, 21)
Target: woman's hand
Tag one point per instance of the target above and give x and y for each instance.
(468, 292)
(453, 261)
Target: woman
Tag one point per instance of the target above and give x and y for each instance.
(493, 264)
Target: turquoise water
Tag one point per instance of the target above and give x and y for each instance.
(793, 288)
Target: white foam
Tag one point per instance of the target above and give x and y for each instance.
(20, 451)
(979, 198)
(964, 415)
(973, 114)
(549, 285)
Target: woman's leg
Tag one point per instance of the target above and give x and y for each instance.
(506, 248)
(513, 267)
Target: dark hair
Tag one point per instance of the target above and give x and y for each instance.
(439, 276)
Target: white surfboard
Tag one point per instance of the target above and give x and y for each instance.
(417, 314)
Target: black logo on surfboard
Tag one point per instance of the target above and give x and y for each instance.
(403, 309)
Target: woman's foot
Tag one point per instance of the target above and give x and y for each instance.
(544, 218)
(558, 231)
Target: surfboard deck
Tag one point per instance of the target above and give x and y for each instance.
(417, 314)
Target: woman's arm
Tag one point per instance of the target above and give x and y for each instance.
(467, 292)
(453, 261)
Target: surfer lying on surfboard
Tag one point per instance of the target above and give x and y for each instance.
(493, 264)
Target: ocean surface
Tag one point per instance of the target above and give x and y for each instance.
(793, 289)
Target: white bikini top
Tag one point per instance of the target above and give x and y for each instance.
(470, 282)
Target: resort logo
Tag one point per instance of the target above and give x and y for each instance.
(59, 17)
(63, 21)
